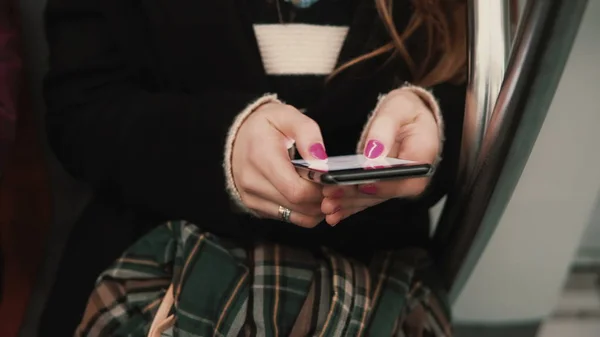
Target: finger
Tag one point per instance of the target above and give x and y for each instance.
(349, 191)
(271, 209)
(303, 130)
(336, 218)
(263, 189)
(420, 140)
(271, 158)
(339, 191)
(380, 138)
(251, 180)
(420, 143)
(331, 206)
(394, 113)
(411, 187)
(381, 190)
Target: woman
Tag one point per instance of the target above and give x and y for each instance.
(164, 107)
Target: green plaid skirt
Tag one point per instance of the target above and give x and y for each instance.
(224, 289)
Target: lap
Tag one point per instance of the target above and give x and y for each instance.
(231, 290)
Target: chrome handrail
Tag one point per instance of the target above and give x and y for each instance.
(541, 48)
(489, 47)
(490, 28)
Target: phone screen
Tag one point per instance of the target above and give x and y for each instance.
(351, 162)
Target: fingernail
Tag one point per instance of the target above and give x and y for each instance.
(368, 189)
(374, 149)
(317, 150)
(338, 194)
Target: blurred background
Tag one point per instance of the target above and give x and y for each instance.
(535, 272)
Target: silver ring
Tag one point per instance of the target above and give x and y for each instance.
(284, 213)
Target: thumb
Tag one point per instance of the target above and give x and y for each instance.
(303, 130)
(380, 137)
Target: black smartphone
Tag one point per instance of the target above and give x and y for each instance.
(358, 169)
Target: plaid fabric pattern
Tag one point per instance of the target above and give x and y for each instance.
(223, 289)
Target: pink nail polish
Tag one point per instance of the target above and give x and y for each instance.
(374, 149)
(368, 189)
(317, 150)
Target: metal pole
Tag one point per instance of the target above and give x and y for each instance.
(489, 48)
(490, 24)
(541, 48)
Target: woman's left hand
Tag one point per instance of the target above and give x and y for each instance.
(402, 127)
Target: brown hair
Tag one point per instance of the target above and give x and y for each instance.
(443, 24)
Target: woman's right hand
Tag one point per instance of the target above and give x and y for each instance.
(262, 171)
